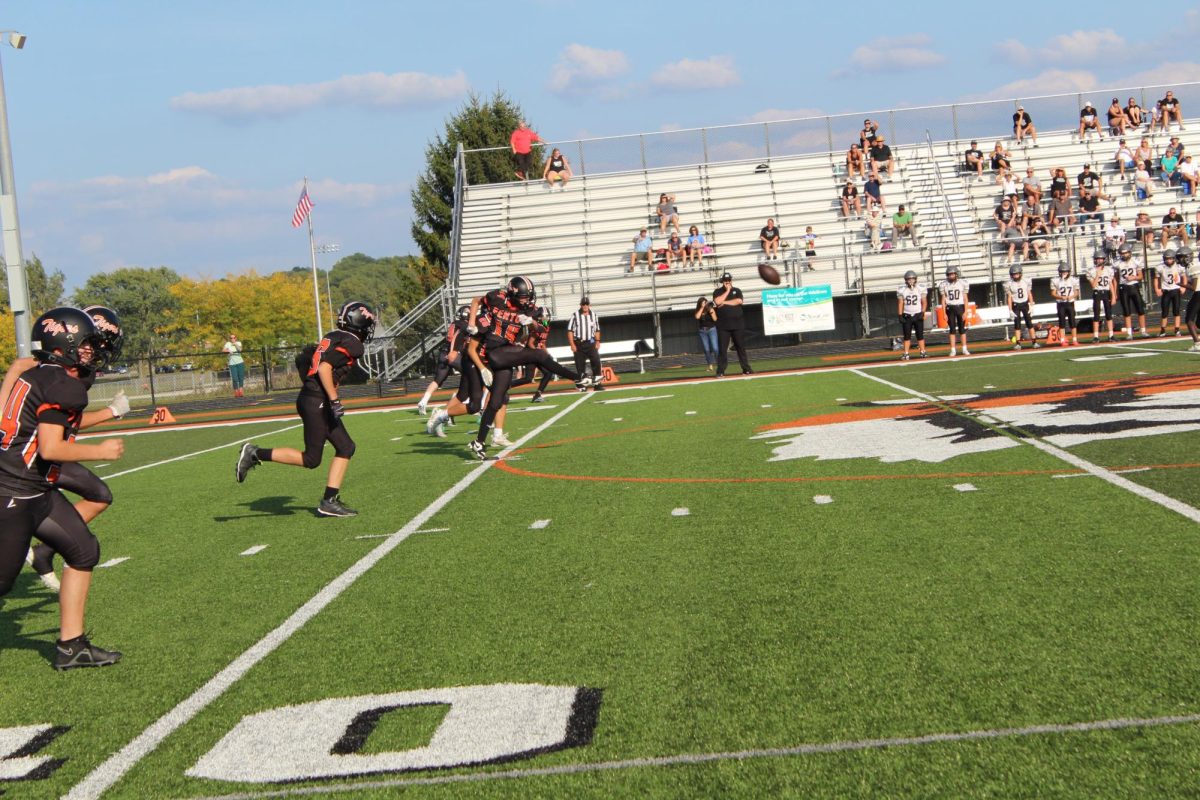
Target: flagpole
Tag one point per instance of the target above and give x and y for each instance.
(312, 250)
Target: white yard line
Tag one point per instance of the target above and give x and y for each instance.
(197, 453)
(736, 755)
(112, 769)
(1107, 475)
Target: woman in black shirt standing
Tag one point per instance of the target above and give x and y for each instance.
(706, 319)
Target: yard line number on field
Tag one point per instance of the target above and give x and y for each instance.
(110, 771)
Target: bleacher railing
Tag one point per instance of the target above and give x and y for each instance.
(833, 134)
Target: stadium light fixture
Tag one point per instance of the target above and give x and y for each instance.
(321, 250)
(14, 262)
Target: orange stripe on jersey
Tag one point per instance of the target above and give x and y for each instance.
(316, 359)
(10, 421)
(31, 450)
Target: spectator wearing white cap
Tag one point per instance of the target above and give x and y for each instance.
(1089, 120)
(1023, 126)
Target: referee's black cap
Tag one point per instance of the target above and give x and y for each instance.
(584, 301)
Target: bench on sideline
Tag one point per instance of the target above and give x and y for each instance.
(641, 349)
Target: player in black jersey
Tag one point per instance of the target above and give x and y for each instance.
(469, 397)
(94, 494)
(324, 366)
(38, 423)
(539, 337)
(451, 355)
(509, 312)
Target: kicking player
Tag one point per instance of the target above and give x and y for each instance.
(1129, 277)
(912, 303)
(1019, 292)
(1065, 289)
(1170, 282)
(324, 367)
(1104, 293)
(94, 494)
(40, 417)
(451, 356)
(954, 293)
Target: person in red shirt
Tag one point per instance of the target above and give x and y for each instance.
(522, 140)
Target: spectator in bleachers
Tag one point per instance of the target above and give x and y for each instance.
(1037, 241)
(1174, 147)
(521, 141)
(1089, 209)
(850, 200)
(1133, 114)
(874, 225)
(1012, 239)
(694, 250)
(1061, 215)
(902, 226)
(1169, 166)
(810, 249)
(768, 240)
(1091, 182)
(1144, 152)
(1059, 181)
(1157, 120)
(668, 213)
(973, 160)
(1001, 160)
(706, 322)
(1029, 212)
(874, 192)
(1023, 126)
(557, 168)
(881, 158)
(1142, 181)
(1089, 120)
(1173, 226)
(1124, 158)
(1116, 118)
(1171, 111)
(1114, 235)
(866, 137)
(856, 162)
(642, 248)
(1005, 216)
(1008, 185)
(1031, 186)
(1187, 175)
(1143, 229)
(675, 250)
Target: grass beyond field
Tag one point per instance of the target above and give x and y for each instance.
(968, 578)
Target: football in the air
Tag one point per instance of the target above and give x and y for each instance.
(768, 274)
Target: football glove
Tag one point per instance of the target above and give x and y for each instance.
(487, 376)
(471, 329)
(525, 319)
(120, 405)
(336, 408)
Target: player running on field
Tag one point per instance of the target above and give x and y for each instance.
(1170, 282)
(470, 395)
(912, 303)
(1129, 289)
(1065, 288)
(1104, 293)
(38, 423)
(1019, 293)
(450, 357)
(323, 366)
(954, 292)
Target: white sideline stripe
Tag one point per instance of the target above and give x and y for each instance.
(197, 453)
(112, 562)
(96, 782)
(1170, 503)
(1117, 471)
(234, 423)
(250, 551)
(737, 755)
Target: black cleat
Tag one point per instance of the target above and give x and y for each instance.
(478, 449)
(79, 652)
(537, 398)
(335, 508)
(247, 460)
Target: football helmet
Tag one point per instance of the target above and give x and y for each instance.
(357, 317)
(60, 333)
(1168, 255)
(1014, 271)
(1064, 268)
(1125, 250)
(1183, 256)
(951, 270)
(521, 292)
(1099, 256)
(910, 278)
(463, 313)
(108, 329)
(542, 315)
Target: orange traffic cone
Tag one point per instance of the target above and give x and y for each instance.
(162, 416)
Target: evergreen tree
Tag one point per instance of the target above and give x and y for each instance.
(478, 124)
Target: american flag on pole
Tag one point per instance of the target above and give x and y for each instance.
(303, 206)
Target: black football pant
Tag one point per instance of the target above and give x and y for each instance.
(738, 337)
(321, 427)
(50, 517)
(502, 361)
(587, 352)
(443, 369)
(1066, 317)
(77, 479)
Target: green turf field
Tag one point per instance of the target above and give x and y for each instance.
(968, 578)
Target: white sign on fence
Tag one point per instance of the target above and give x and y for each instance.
(808, 308)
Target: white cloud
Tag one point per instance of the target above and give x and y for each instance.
(892, 54)
(1167, 73)
(374, 90)
(1051, 81)
(1077, 48)
(716, 72)
(777, 114)
(581, 68)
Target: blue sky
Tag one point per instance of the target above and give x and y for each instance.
(177, 133)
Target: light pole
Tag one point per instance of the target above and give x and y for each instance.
(14, 264)
(322, 249)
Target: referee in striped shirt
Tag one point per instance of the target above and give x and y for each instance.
(583, 334)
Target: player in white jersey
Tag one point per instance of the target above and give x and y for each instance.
(1019, 291)
(1183, 257)
(1104, 292)
(954, 293)
(912, 303)
(1170, 282)
(1129, 289)
(1065, 289)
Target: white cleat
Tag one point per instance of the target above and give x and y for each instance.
(432, 421)
(421, 408)
(966, 352)
(953, 352)
(501, 441)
